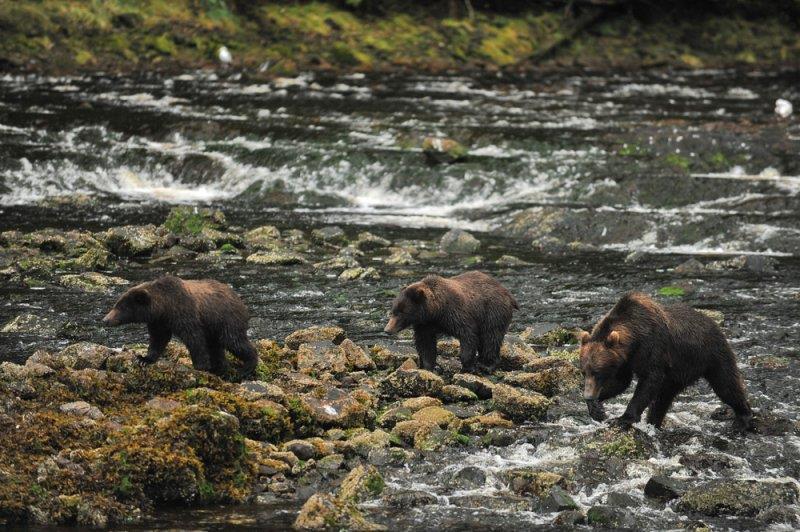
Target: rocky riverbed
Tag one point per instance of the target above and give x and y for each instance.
(317, 198)
(336, 431)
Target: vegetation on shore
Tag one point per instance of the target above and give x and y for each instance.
(287, 37)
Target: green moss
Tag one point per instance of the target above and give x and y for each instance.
(228, 249)
(671, 291)
(572, 355)
(374, 484)
(677, 161)
(461, 439)
(191, 221)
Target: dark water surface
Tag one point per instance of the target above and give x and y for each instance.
(673, 165)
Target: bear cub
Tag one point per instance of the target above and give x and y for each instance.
(667, 348)
(206, 315)
(472, 307)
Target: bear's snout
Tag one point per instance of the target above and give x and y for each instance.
(393, 326)
(111, 319)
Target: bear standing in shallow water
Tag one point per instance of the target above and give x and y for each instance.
(207, 316)
(668, 349)
(472, 307)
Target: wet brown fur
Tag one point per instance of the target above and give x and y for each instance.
(206, 315)
(667, 349)
(472, 307)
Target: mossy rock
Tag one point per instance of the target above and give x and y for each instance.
(261, 420)
(738, 497)
(185, 220)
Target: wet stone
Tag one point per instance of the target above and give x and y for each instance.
(470, 477)
(314, 334)
(738, 497)
(480, 386)
(459, 242)
(332, 234)
(664, 488)
(558, 500)
(82, 409)
(410, 499)
(275, 258)
(607, 517)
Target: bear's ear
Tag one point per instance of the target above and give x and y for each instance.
(613, 338)
(416, 293)
(140, 297)
(582, 336)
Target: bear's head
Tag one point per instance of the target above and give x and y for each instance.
(135, 306)
(601, 362)
(409, 308)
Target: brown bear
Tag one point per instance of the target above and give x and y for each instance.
(207, 316)
(667, 348)
(472, 307)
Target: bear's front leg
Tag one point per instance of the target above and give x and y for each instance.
(160, 336)
(425, 342)
(643, 395)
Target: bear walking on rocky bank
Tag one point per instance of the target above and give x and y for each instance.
(207, 316)
(667, 348)
(472, 307)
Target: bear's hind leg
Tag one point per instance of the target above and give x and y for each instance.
(216, 354)
(491, 342)
(199, 351)
(467, 354)
(245, 351)
(727, 384)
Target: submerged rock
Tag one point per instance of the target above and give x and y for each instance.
(664, 488)
(323, 511)
(443, 150)
(738, 497)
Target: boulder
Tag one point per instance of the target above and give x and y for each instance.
(132, 240)
(452, 393)
(333, 407)
(459, 242)
(314, 334)
(519, 405)
(332, 234)
(664, 488)
(411, 382)
(480, 386)
(82, 409)
(357, 358)
(738, 497)
(264, 238)
(320, 357)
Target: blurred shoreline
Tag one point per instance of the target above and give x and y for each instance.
(278, 39)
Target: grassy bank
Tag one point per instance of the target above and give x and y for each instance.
(122, 35)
